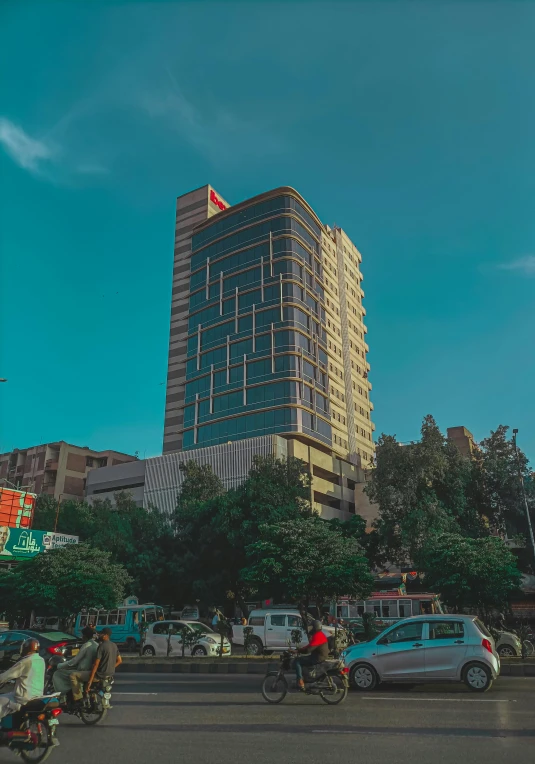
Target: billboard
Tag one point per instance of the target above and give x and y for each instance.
(22, 543)
(16, 508)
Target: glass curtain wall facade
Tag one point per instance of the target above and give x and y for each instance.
(257, 348)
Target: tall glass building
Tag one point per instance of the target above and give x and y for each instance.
(267, 328)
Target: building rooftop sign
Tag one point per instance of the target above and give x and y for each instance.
(216, 200)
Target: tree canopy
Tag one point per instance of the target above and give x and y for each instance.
(307, 559)
(428, 488)
(477, 574)
(139, 539)
(213, 533)
(64, 581)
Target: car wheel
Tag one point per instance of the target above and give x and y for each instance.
(255, 647)
(363, 677)
(198, 652)
(148, 650)
(477, 677)
(506, 651)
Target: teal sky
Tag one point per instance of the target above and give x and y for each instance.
(410, 125)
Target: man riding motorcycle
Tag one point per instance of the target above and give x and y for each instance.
(106, 661)
(317, 649)
(82, 662)
(29, 675)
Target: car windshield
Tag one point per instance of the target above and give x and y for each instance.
(200, 627)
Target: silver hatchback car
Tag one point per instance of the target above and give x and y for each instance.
(431, 648)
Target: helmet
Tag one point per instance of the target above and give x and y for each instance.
(30, 645)
(317, 626)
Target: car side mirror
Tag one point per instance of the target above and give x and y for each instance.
(383, 641)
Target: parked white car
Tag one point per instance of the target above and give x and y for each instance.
(508, 645)
(272, 629)
(208, 642)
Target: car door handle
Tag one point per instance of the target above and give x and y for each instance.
(270, 629)
(418, 644)
(459, 641)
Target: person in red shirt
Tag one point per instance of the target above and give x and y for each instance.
(317, 649)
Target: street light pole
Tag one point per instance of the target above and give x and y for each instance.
(515, 432)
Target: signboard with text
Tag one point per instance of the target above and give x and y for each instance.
(16, 508)
(22, 543)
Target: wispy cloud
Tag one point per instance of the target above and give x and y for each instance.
(525, 265)
(52, 157)
(30, 153)
(215, 132)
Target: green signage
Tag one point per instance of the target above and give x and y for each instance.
(21, 543)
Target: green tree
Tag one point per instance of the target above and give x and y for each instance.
(66, 580)
(478, 574)
(214, 531)
(499, 486)
(200, 484)
(44, 516)
(305, 559)
(140, 539)
(422, 488)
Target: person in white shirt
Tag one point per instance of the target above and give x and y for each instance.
(82, 662)
(29, 676)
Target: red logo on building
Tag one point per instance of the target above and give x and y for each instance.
(218, 203)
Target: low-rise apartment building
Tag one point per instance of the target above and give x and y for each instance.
(58, 469)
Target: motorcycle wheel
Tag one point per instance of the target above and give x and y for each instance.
(338, 693)
(93, 715)
(274, 687)
(44, 749)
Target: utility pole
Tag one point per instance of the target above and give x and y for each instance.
(515, 432)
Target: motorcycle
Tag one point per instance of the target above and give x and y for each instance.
(95, 704)
(329, 680)
(31, 732)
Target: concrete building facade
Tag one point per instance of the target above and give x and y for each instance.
(267, 328)
(191, 209)
(57, 469)
(463, 439)
(336, 490)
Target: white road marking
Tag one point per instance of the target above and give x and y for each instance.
(445, 700)
(134, 693)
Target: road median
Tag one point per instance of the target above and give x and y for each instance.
(260, 665)
(239, 664)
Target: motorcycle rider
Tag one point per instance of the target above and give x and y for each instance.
(83, 662)
(29, 673)
(107, 660)
(317, 649)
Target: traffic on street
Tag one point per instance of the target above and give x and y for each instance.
(225, 719)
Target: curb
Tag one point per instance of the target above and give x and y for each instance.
(518, 669)
(207, 667)
(260, 667)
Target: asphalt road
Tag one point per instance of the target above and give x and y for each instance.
(223, 719)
